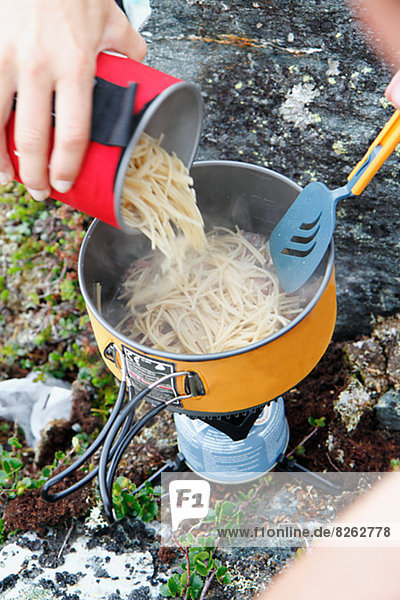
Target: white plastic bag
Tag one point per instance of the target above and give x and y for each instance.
(33, 404)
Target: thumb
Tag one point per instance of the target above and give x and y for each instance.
(121, 37)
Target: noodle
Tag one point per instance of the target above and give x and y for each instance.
(225, 297)
(158, 199)
(193, 294)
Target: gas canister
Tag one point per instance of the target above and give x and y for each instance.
(215, 456)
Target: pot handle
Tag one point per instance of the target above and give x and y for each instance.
(385, 143)
(115, 437)
(193, 384)
(112, 113)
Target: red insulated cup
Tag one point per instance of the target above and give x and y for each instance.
(129, 98)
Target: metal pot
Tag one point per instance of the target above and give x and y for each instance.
(228, 194)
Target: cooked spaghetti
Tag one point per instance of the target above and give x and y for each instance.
(158, 198)
(225, 297)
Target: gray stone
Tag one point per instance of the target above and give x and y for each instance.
(142, 593)
(121, 572)
(368, 361)
(387, 332)
(388, 410)
(352, 403)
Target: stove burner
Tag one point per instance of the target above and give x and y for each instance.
(236, 426)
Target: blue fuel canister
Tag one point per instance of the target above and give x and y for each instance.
(214, 455)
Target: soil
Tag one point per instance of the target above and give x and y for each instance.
(30, 512)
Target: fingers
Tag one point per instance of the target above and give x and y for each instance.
(121, 37)
(381, 19)
(73, 109)
(7, 89)
(33, 123)
(393, 90)
(74, 97)
(69, 72)
(6, 167)
(132, 44)
(32, 129)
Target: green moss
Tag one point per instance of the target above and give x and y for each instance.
(39, 284)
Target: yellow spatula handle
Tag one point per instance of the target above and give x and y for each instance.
(388, 138)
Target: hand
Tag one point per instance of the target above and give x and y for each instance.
(393, 90)
(383, 18)
(51, 46)
(359, 573)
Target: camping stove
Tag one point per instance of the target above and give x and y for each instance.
(227, 404)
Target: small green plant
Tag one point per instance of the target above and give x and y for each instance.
(11, 465)
(143, 504)
(14, 483)
(395, 463)
(5, 427)
(12, 480)
(2, 532)
(39, 273)
(196, 574)
(201, 567)
(300, 450)
(321, 422)
(316, 424)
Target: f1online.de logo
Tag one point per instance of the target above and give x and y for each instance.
(189, 499)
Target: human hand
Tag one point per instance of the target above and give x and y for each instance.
(381, 18)
(359, 573)
(51, 46)
(393, 90)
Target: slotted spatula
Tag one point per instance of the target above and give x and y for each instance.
(300, 239)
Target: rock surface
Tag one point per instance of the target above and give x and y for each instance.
(388, 410)
(102, 569)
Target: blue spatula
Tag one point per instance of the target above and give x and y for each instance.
(300, 239)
